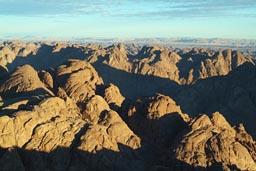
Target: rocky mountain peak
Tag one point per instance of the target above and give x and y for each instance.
(125, 107)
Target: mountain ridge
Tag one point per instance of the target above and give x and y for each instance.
(89, 107)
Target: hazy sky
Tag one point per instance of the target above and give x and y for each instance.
(130, 18)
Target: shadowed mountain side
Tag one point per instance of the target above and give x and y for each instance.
(61, 140)
(155, 157)
(233, 95)
(134, 86)
(46, 57)
(36, 92)
(182, 66)
(210, 142)
(68, 159)
(56, 134)
(3, 74)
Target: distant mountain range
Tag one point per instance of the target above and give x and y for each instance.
(175, 42)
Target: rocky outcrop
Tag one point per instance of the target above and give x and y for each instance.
(117, 57)
(59, 134)
(158, 61)
(185, 66)
(157, 119)
(78, 78)
(233, 94)
(212, 141)
(203, 64)
(94, 108)
(25, 81)
(10, 50)
(20, 128)
(182, 67)
(113, 97)
(54, 133)
(6, 55)
(46, 78)
(65, 118)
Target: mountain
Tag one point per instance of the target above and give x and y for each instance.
(125, 107)
(214, 144)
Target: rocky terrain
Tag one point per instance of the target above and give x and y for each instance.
(125, 107)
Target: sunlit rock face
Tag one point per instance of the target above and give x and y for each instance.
(125, 107)
(212, 141)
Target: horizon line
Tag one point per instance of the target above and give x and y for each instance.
(70, 38)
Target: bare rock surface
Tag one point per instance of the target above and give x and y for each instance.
(210, 141)
(233, 95)
(94, 108)
(46, 78)
(113, 96)
(157, 119)
(24, 80)
(54, 129)
(56, 113)
(78, 78)
(57, 132)
(182, 66)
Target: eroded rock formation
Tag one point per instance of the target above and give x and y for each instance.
(212, 141)
(61, 115)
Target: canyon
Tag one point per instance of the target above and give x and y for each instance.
(67, 106)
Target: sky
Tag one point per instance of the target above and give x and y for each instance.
(234, 19)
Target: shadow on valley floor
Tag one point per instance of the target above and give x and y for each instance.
(155, 153)
(131, 85)
(224, 94)
(135, 86)
(3, 74)
(68, 159)
(233, 95)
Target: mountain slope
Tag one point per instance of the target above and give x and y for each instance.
(125, 107)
